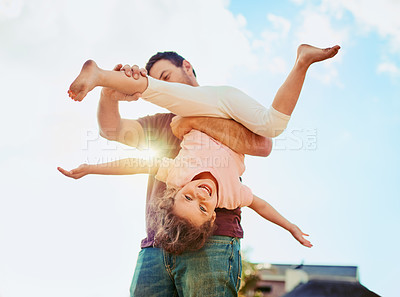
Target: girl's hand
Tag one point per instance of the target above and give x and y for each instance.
(76, 173)
(298, 234)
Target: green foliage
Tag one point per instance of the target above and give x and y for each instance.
(250, 278)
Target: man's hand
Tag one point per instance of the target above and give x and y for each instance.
(133, 71)
(76, 173)
(129, 71)
(229, 132)
(181, 126)
(299, 235)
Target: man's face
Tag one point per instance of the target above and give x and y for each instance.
(165, 70)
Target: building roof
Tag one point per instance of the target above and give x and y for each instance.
(319, 288)
(317, 272)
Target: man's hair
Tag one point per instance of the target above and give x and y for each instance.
(173, 57)
(173, 233)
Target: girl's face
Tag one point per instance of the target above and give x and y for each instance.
(196, 201)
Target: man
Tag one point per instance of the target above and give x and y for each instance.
(215, 269)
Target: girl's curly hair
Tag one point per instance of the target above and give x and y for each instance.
(173, 233)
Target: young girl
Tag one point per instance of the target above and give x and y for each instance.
(205, 174)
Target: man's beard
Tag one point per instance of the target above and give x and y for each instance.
(186, 78)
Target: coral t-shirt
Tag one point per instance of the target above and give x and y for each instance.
(201, 153)
(159, 136)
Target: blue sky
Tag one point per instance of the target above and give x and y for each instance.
(333, 172)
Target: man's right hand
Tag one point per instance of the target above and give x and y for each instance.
(130, 71)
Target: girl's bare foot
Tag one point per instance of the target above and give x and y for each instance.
(307, 54)
(85, 82)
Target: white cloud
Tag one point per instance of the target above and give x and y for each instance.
(277, 65)
(388, 67)
(317, 29)
(10, 8)
(50, 41)
(298, 2)
(280, 24)
(205, 32)
(272, 45)
(242, 22)
(382, 16)
(272, 36)
(44, 44)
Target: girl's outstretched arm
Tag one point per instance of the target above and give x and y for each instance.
(269, 213)
(118, 167)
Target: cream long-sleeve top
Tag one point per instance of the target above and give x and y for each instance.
(216, 101)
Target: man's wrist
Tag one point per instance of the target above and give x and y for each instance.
(195, 123)
(190, 122)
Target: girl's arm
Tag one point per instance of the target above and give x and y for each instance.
(269, 213)
(118, 167)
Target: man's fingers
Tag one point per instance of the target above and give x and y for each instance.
(117, 67)
(135, 71)
(127, 70)
(143, 72)
(133, 97)
(136, 96)
(131, 71)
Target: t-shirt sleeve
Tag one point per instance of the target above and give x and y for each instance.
(158, 135)
(165, 167)
(246, 196)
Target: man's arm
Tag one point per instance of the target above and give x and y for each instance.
(130, 132)
(112, 126)
(229, 132)
(269, 213)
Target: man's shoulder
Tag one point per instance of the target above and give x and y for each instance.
(158, 120)
(158, 134)
(157, 116)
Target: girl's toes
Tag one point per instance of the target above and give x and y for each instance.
(80, 96)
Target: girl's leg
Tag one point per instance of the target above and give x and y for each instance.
(288, 94)
(231, 103)
(92, 76)
(272, 122)
(221, 102)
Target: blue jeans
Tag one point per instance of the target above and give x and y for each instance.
(213, 271)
